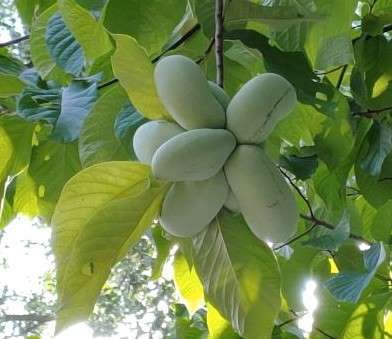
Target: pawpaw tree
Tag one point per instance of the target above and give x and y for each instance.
(254, 136)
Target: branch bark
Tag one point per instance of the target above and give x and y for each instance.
(14, 41)
(219, 42)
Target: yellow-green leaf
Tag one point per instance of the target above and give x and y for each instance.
(135, 71)
(102, 211)
(10, 85)
(188, 283)
(90, 34)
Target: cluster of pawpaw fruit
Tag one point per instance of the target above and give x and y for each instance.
(212, 154)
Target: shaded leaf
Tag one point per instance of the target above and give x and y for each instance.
(239, 274)
(10, 85)
(163, 247)
(63, 47)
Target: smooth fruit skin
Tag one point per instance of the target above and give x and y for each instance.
(258, 106)
(231, 203)
(185, 93)
(265, 199)
(220, 95)
(190, 206)
(194, 155)
(151, 135)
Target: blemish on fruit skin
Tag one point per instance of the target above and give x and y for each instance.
(41, 191)
(47, 157)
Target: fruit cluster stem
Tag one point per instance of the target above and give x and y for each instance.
(219, 41)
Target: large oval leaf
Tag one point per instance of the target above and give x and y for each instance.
(135, 72)
(240, 275)
(102, 211)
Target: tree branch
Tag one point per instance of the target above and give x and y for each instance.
(299, 236)
(219, 42)
(14, 41)
(370, 113)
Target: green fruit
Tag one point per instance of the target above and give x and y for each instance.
(194, 155)
(258, 106)
(184, 91)
(151, 135)
(219, 94)
(190, 206)
(265, 199)
(231, 203)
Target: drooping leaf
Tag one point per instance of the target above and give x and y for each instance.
(126, 124)
(187, 283)
(10, 85)
(63, 47)
(40, 54)
(239, 274)
(348, 286)
(102, 211)
(219, 327)
(10, 65)
(367, 320)
(76, 102)
(163, 247)
(152, 22)
(89, 33)
(52, 165)
(135, 73)
(98, 141)
(380, 142)
(301, 166)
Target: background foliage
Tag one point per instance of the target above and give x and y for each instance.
(71, 103)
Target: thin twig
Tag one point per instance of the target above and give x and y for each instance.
(287, 322)
(206, 52)
(299, 236)
(14, 41)
(219, 42)
(304, 198)
(109, 83)
(341, 77)
(371, 113)
(330, 71)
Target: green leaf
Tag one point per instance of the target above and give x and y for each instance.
(40, 54)
(186, 327)
(163, 247)
(37, 104)
(10, 65)
(367, 320)
(76, 102)
(102, 211)
(301, 166)
(90, 34)
(10, 85)
(63, 47)
(328, 43)
(149, 22)
(52, 165)
(294, 66)
(380, 141)
(98, 141)
(137, 81)
(277, 17)
(219, 327)
(27, 9)
(239, 274)
(381, 227)
(371, 78)
(126, 124)
(326, 239)
(25, 199)
(349, 286)
(187, 283)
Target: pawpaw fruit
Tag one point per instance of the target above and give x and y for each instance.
(193, 155)
(231, 203)
(258, 106)
(185, 93)
(220, 95)
(265, 199)
(150, 136)
(190, 206)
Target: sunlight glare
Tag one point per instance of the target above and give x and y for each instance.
(309, 300)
